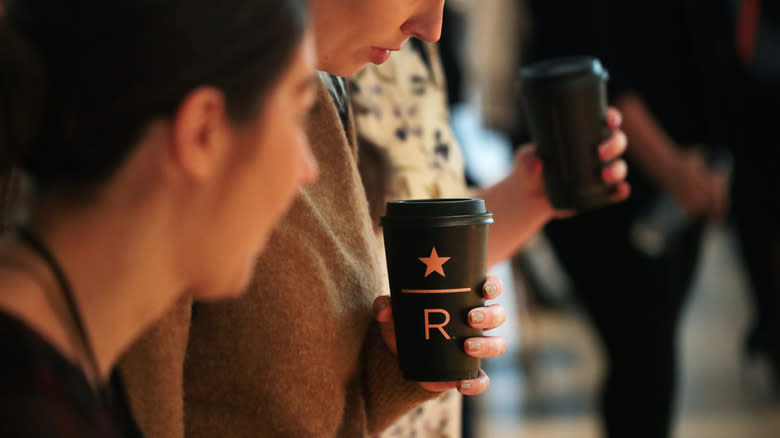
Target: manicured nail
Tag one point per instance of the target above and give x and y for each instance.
(472, 345)
(477, 316)
(490, 289)
(603, 149)
(465, 386)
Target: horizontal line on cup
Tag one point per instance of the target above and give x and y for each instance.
(435, 291)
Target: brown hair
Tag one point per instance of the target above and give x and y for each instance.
(79, 81)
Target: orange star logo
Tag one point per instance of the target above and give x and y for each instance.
(434, 263)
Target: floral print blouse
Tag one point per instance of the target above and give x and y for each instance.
(401, 107)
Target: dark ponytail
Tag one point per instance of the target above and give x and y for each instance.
(22, 92)
(81, 80)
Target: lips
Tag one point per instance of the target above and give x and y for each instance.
(379, 55)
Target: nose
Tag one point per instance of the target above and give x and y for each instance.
(426, 23)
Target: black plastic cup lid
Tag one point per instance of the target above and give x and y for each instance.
(566, 67)
(437, 212)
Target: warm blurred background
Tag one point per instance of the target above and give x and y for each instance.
(698, 83)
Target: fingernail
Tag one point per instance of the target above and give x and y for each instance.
(465, 386)
(477, 316)
(472, 345)
(490, 289)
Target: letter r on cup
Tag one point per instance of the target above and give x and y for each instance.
(429, 326)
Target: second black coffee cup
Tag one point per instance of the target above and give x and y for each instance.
(566, 105)
(437, 262)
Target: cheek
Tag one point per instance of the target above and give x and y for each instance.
(283, 161)
(275, 174)
(372, 22)
(382, 15)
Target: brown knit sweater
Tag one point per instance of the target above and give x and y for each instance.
(299, 355)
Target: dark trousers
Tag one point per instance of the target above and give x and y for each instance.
(756, 214)
(634, 304)
(757, 224)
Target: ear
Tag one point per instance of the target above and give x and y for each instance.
(201, 133)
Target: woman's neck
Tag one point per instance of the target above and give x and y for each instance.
(121, 272)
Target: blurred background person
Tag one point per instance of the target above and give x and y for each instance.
(636, 311)
(669, 105)
(754, 61)
(125, 182)
(713, 65)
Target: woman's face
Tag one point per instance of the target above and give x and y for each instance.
(352, 33)
(271, 161)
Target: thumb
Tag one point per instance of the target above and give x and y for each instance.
(381, 309)
(384, 316)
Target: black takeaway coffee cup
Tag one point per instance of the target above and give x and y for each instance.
(437, 263)
(566, 105)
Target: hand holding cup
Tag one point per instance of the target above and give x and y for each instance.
(528, 169)
(482, 318)
(576, 136)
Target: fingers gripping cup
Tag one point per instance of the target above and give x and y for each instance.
(566, 104)
(437, 262)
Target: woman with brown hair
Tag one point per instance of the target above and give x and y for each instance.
(134, 147)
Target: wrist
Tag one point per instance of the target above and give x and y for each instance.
(669, 174)
(542, 209)
(535, 208)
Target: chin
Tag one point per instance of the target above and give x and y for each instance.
(222, 293)
(344, 69)
(233, 278)
(239, 287)
(226, 289)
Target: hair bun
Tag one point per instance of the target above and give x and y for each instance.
(22, 92)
